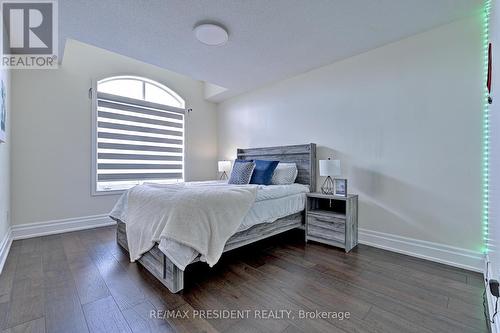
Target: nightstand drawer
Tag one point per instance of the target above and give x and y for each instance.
(325, 224)
(325, 233)
(329, 217)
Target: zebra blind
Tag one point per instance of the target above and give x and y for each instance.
(137, 141)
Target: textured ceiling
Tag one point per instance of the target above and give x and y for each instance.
(269, 40)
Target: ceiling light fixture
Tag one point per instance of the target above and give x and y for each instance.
(211, 34)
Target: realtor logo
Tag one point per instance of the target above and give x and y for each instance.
(29, 34)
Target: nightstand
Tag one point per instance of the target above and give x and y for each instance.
(332, 220)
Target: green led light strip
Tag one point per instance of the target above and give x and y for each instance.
(486, 127)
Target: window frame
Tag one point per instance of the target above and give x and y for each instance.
(94, 136)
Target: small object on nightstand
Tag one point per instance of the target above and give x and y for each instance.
(332, 220)
(224, 167)
(340, 187)
(329, 168)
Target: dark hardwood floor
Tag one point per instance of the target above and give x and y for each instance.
(83, 282)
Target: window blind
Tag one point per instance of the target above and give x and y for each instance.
(138, 141)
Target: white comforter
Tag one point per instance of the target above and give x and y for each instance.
(270, 203)
(200, 217)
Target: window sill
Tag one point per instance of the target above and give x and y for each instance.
(110, 192)
(126, 187)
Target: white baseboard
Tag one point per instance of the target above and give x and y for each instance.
(495, 327)
(444, 254)
(29, 230)
(5, 244)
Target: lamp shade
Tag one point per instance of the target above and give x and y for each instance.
(224, 166)
(329, 168)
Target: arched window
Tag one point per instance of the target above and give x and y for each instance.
(138, 133)
(140, 88)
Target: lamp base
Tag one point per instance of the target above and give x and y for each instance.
(327, 187)
(223, 176)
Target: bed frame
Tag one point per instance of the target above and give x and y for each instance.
(303, 155)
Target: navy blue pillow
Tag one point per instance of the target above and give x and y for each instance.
(263, 172)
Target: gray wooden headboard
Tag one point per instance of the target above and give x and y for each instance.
(302, 155)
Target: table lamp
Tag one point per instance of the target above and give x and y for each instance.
(329, 168)
(224, 167)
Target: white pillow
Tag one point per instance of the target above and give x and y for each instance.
(284, 174)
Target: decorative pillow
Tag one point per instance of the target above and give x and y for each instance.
(263, 172)
(242, 172)
(285, 174)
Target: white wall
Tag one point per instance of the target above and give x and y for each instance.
(51, 133)
(5, 165)
(405, 120)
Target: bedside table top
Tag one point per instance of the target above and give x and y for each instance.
(329, 196)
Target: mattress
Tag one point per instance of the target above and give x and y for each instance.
(272, 202)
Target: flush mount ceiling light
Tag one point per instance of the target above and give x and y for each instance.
(211, 34)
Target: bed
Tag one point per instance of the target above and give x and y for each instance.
(304, 156)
